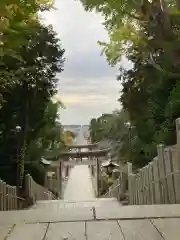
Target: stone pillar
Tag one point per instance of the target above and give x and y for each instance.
(162, 174)
(129, 170)
(90, 158)
(60, 178)
(129, 167)
(67, 170)
(46, 178)
(92, 169)
(97, 177)
(57, 178)
(178, 140)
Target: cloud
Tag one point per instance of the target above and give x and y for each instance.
(78, 29)
(88, 85)
(87, 101)
(84, 100)
(86, 65)
(75, 114)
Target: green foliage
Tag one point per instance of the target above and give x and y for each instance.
(106, 183)
(18, 19)
(37, 171)
(152, 96)
(147, 34)
(48, 143)
(112, 128)
(125, 21)
(26, 101)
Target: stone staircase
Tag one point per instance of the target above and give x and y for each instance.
(89, 219)
(63, 210)
(98, 219)
(80, 210)
(97, 203)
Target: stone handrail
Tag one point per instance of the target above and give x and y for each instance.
(8, 197)
(36, 191)
(118, 188)
(113, 192)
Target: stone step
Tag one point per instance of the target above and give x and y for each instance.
(124, 202)
(65, 204)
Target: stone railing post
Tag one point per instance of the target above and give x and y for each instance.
(178, 140)
(162, 174)
(129, 168)
(129, 171)
(97, 176)
(60, 178)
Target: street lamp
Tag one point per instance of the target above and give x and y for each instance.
(18, 130)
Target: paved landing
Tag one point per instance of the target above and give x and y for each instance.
(91, 220)
(79, 186)
(79, 162)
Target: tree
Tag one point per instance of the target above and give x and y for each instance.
(124, 22)
(147, 33)
(68, 137)
(35, 83)
(96, 129)
(18, 19)
(150, 90)
(49, 141)
(111, 127)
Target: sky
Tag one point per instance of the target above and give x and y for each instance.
(88, 85)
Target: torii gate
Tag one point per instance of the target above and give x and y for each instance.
(93, 154)
(79, 148)
(89, 146)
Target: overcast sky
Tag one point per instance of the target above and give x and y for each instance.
(88, 85)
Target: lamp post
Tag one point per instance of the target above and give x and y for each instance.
(18, 130)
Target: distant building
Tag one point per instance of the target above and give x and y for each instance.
(73, 128)
(76, 129)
